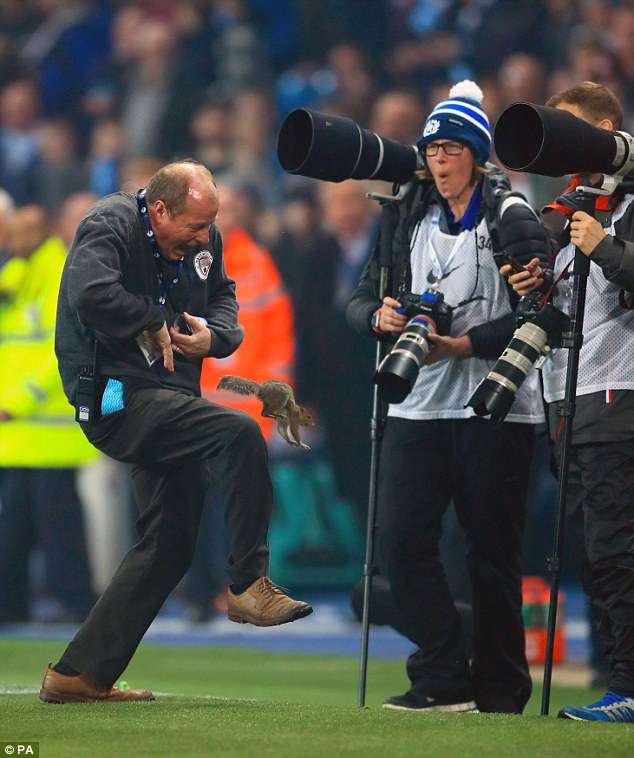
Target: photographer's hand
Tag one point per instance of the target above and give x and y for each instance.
(194, 345)
(390, 319)
(524, 282)
(585, 232)
(443, 347)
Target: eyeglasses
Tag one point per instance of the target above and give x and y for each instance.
(449, 148)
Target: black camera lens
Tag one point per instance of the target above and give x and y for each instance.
(496, 392)
(335, 148)
(398, 371)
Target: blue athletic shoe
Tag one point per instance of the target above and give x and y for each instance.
(611, 707)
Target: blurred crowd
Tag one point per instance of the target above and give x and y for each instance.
(95, 95)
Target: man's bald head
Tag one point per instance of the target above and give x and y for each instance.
(182, 202)
(176, 182)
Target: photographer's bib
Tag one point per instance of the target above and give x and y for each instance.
(463, 269)
(605, 362)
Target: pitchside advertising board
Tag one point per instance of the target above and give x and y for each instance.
(535, 601)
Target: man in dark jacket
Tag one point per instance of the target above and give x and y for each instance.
(138, 269)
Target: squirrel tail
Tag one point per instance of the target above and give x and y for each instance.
(239, 385)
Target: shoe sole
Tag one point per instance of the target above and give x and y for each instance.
(453, 708)
(300, 614)
(570, 717)
(57, 698)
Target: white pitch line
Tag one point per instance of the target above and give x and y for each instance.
(31, 691)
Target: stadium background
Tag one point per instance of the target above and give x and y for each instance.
(95, 95)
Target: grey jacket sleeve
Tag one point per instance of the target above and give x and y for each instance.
(97, 260)
(222, 308)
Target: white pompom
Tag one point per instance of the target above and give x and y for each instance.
(467, 88)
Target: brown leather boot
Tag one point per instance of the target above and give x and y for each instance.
(265, 604)
(57, 688)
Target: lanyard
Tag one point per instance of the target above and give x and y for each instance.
(164, 286)
(439, 271)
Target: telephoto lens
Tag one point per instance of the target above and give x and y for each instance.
(496, 392)
(553, 142)
(335, 148)
(398, 371)
(541, 328)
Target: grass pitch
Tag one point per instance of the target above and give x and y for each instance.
(232, 702)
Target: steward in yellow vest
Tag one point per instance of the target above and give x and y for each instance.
(37, 426)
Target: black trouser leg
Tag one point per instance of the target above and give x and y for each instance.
(484, 466)
(169, 437)
(170, 504)
(607, 475)
(493, 462)
(161, 427)
(416, 478)
(576, 555)
(17, 536)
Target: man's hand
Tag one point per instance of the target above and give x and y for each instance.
(443, 347)
(5, 415)
(194, 345)
(585, 232)
(390, 320)
(524, 282)
(160, 343)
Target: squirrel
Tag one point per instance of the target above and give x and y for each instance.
(278, 402)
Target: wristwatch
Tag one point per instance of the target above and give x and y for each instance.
(375, 320)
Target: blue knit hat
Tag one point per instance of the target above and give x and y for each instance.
(460, 118)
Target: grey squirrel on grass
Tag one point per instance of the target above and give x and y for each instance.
(278, 402)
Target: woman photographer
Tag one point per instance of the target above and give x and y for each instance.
(434, 450)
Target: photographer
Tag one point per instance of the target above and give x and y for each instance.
(599, 502)
(434, 449)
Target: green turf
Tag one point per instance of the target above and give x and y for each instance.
(230, 702)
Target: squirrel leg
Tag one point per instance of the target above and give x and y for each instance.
(296, 434)
(282, 428)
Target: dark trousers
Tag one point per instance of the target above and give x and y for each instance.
(483, 467)
(41, 508)
(600, 501)
(168, 437)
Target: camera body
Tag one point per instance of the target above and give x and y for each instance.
(399, 369)
(553, 321)
(431, 304)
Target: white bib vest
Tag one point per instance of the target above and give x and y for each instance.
(606, 359)
(463, 269)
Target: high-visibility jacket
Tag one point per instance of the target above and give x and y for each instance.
(266, 314)
(43, 432)
(11, 275)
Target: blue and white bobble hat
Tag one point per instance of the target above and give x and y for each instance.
(460, 118)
